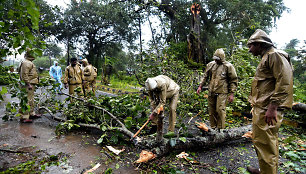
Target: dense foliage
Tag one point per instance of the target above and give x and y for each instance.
(105, 29)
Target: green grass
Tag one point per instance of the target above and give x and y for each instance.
(123, 83)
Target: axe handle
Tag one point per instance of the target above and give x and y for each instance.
(141, 128)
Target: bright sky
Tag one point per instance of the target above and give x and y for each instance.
(291, 25)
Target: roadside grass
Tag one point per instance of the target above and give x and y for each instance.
(124, 84)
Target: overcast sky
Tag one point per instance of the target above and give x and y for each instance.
(291, 25)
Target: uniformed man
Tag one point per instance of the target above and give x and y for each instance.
(271, 94)
(55, 73)
(159, 89)
(222, 86)
(28, 74)
(90, 75)
(73, 77)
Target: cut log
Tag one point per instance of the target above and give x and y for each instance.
(209, 138)
(199, 140)
(299, 107)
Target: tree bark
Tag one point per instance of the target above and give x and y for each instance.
(200, 139)
(207, 139)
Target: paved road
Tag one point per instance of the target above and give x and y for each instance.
(39, 138)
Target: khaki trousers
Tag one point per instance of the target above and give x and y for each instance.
(89, 87)
(265, 140)
(216, 110)
(173, 97)
(73, 87)
(30, 97)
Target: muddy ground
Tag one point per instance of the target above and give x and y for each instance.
(78, 152)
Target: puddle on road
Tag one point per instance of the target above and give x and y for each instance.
(81, 147)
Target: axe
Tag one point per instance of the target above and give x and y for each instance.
(161, 108)
(140, 129)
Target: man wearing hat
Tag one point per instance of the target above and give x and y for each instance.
(222, 86)
(73, 77)
(271, 94)
(90, 75)
(28, 74)
(159, 89)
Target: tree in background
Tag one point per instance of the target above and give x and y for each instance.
(220, 20)
(18, 27)
(97, 26)
(52, 51)
(19, 23)
(298, 59)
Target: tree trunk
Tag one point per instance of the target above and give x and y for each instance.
(163, 146)
(68, 50)
(299, 107)
(207, 139)
(195, 52)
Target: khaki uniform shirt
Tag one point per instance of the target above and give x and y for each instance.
(89, 73)
(73, 75)
(166, 88)
(273, 81)
(28, 72)
(223, 78)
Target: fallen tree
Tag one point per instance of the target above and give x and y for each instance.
(210, 138)
(201, 139)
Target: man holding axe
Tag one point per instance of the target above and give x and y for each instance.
(161, 88)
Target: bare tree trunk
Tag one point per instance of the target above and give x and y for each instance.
(140, 39)
(68, 50)
(195, 52)
(200, 141)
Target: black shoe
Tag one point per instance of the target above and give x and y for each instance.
(253, 170)
(153, 129)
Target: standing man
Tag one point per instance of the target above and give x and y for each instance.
(90, 75)
(159, 89)
(73, 76)
(56, 74)
(222, 86)
(272, 92)
(29, 76)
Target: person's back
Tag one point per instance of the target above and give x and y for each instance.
(28, 72)
(161, 88)
(90, 75)
(169, 84)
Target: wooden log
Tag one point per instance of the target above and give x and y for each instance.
(207, 139)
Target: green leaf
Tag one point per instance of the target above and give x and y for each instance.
(117, 166)
(100, 140)
(293, 155)
(183, 139)
(169, 135)
(109, 171)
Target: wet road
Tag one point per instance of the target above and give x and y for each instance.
(80, 146)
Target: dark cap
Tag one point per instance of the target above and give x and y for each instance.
(73, 59)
